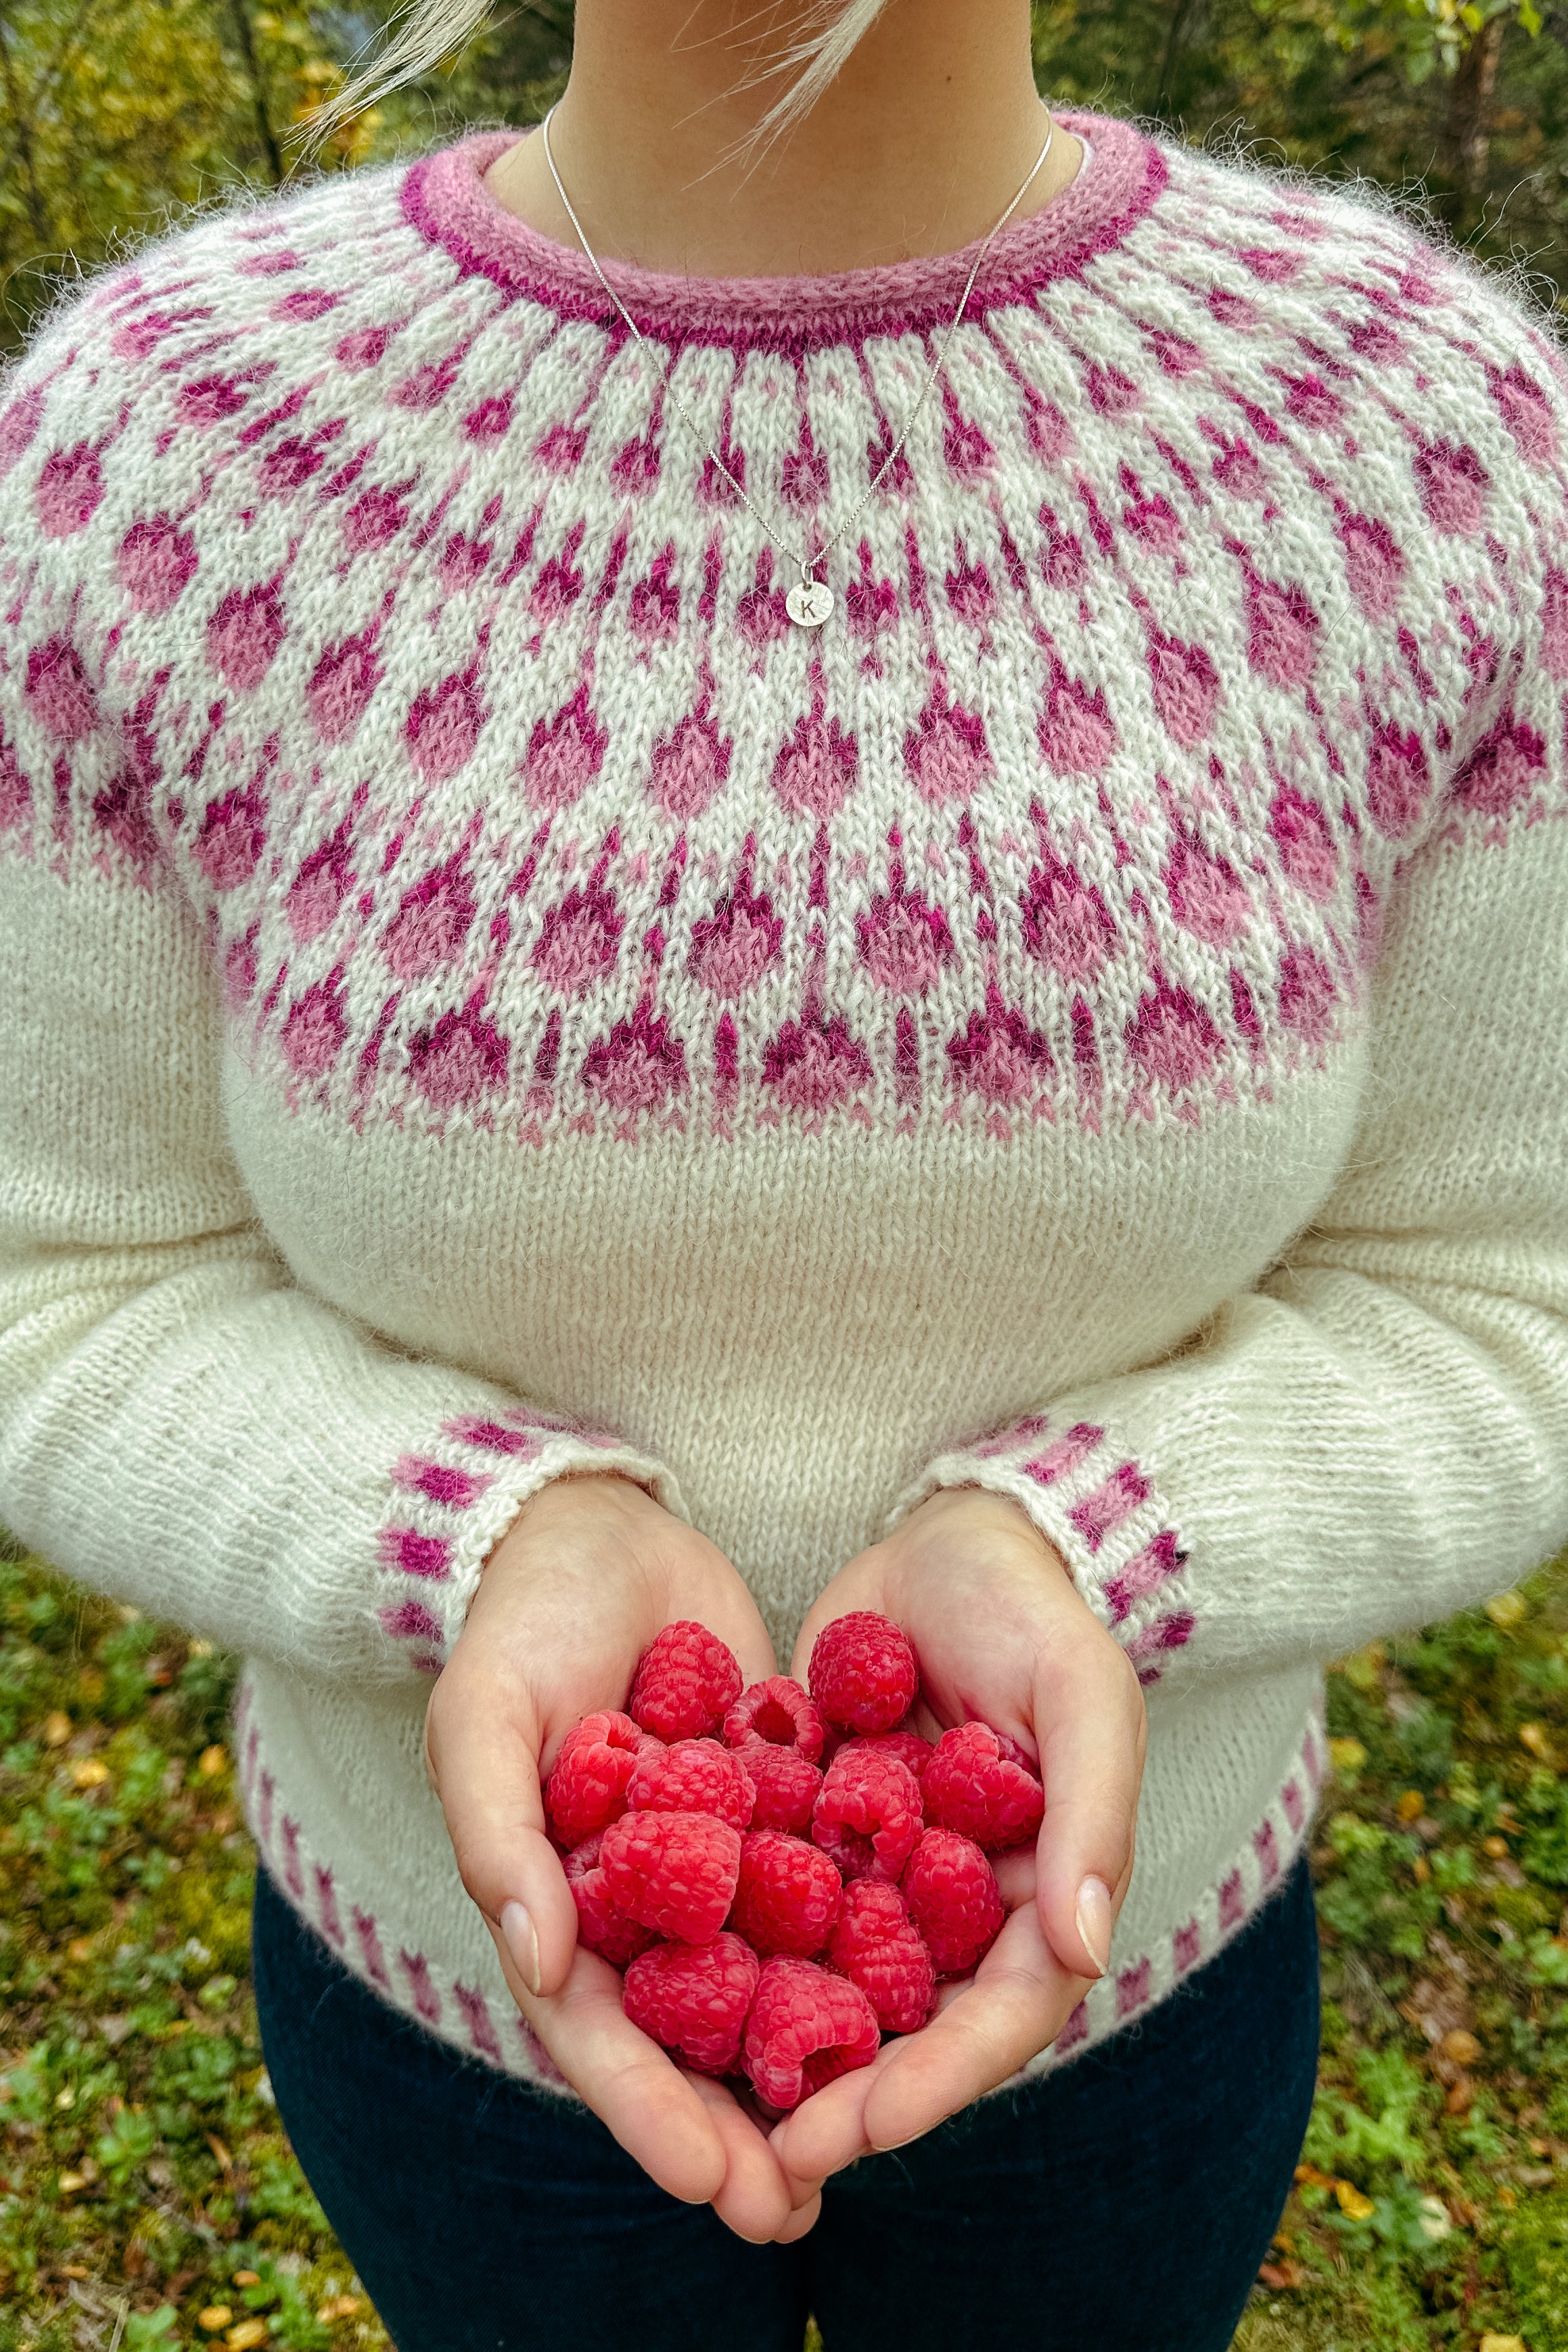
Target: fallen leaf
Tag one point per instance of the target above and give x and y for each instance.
(57, 1729)
(247, 2278)
(1489, 2343)
(1436, 2222)
(1461, 2047)
(71, 2181)
(1505, 1608)
(249, 2333)
(1347, 1755)
(214, 2318)
(211, 1761)
(75, 2270)
(226, 2161)
(80, 1947)
(1279, 2275)
(1353, 2204)
(1461, 2096)
(1411, 1805)
(90, 1773)
(338, 2306)
(1538, 1739)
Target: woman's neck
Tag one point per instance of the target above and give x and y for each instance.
(914, 149)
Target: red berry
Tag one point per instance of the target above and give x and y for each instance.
(780, 1712)
(877, 1947)
(692, 1998)
(695, 1776)
(807, 2027)
(867, 1817)
(600, 1925)
(862, 1673)
(686, 1679)
(673, 1872)
(954, 1900)
(972, 1785)
(785, 1784)
(587, 1789)
(907, 1746)
(787, 1894)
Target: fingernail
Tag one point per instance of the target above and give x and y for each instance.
(517, 1929)
(1093, 1920)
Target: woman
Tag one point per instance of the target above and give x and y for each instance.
(561, 1078)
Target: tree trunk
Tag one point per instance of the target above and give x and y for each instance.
(241, 14)
(1464, 142)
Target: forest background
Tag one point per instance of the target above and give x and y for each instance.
(148, 2197)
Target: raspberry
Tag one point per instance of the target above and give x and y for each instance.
(806, 2028)
(787, 1896)
(868, 1816)
(587, 1789)
(785, 1783)
(877, 1947)
(692, 1998)
(673, 1872)
(972, 1785)
(600, 1926)
(695, 1776)
(954, 1900)
(686, 1678)
(907, 1746)
(862, 1673)
(780, 1712)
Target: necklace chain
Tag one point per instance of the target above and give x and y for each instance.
(811, 601)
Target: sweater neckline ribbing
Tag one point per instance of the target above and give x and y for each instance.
(445, 197)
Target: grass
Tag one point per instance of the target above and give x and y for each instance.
(148, 2197)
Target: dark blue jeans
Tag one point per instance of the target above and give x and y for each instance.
(1122, 2204)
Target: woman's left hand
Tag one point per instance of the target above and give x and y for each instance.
(1002, 1634)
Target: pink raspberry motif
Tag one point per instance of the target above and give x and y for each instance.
(807, 2027)
(972, 1785)
(868, 1815)
(686, 1680)
(862, 1673)
(787, 1894)
(692, 2000)
(587, 1789)
(695, 1776)
(907, 1746)
(674, 1873)
(954, 1900)
(600, 1925)
(780, 1712)
(877, 1947)
(786, 1782)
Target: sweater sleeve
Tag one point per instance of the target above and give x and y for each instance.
(1376, 1434)
(181, 1424)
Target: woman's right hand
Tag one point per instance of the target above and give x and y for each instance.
(571, 1595)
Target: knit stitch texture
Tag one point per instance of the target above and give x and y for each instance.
(488, 996)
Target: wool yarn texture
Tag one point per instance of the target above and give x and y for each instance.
(488, 996)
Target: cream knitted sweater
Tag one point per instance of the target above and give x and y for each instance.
(486, 995)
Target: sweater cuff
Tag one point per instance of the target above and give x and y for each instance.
(451, 1501)
(1090, 1497)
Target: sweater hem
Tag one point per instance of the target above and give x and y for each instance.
(482, 2021)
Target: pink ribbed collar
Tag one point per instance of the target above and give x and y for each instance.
(445, 197)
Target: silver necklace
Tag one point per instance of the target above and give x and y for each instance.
(811, 601)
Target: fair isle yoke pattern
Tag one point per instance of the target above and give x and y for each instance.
(492, 998)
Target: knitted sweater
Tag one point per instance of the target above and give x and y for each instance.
(488, 995)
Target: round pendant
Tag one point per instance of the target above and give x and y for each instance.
(809, 603)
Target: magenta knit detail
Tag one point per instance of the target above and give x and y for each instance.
(445, 196)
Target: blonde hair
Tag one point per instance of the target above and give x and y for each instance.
(430, 30)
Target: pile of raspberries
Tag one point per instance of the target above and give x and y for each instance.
(784, 1875)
